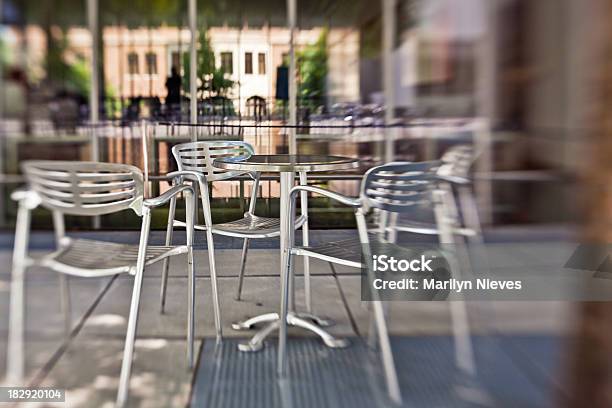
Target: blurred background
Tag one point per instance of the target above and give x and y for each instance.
(507, 73)
(527, 82)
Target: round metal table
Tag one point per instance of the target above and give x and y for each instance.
(287, 165)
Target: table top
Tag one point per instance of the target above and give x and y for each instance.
(287, 163)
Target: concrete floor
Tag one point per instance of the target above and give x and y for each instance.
(87, 365)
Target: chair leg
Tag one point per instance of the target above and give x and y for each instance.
(464, 352)
(307, 285)
(191, 285)
(379, 320)
(306, 242)
(386, 353)
(243, 258)
(282, 332)
(372, 338)
(65, 303)
(15, 364)
(213, 280)
(470, 212)
(60, 233)
(166, 263)
(130, 337)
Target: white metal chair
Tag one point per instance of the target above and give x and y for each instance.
(198, 157)
(91, 189)
(453, 177)
(392, 189)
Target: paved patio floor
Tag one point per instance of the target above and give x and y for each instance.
(87, 363)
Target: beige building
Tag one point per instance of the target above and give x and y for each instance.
(138, 61)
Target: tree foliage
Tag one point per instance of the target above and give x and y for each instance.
(212, 80)
(312, 69)
(4, 55)
(69, 73)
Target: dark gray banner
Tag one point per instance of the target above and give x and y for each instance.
(504, 271)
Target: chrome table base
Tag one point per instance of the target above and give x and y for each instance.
(287, 166)
(306, 321)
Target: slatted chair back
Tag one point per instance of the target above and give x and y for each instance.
(457, 162)
(396, 187)
(199, 156)
(85, 188)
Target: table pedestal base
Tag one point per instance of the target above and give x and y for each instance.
(306, 321)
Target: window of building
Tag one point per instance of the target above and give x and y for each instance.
(248, 62)
(227, 62)
(133, 63)
(151, 61)
(261, 62)
(176, 59)
(285, 59)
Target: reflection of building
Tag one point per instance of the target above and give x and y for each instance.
(137, 62)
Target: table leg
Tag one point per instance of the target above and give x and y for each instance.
(286, 182)
(304, 320)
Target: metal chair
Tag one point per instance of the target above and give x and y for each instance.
(198, 157)
(453, 178)
(92, 189)
(392, 189)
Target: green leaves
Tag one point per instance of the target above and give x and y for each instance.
(211, 78)
(312, 68)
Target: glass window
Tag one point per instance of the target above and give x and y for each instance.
(151, 61)
(176, 59)
(248, 62)
(133, 63)
(261, 62)
(227, 62)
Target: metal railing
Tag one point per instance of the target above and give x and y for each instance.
(418, 139)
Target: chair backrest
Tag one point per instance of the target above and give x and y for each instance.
(199, 156)
(457, 162)
(396, 187)
(85, 188)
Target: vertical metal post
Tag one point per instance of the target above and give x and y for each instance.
(92, 19)
(486, 108)
(193, 75)
(94, 92)
(239, 68)
(144, 138)
(2, 136)
(1, 82)
(484, 166)
(388, 37)
(291, 22)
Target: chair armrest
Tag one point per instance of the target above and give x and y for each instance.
(27, 197)
(193, 175)
(454, 179)
(350, 201)
(165, 197)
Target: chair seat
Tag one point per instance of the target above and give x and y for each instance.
(425, 228)
(417, 227)
(249, 226)
(84, 257)
(346, 252)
